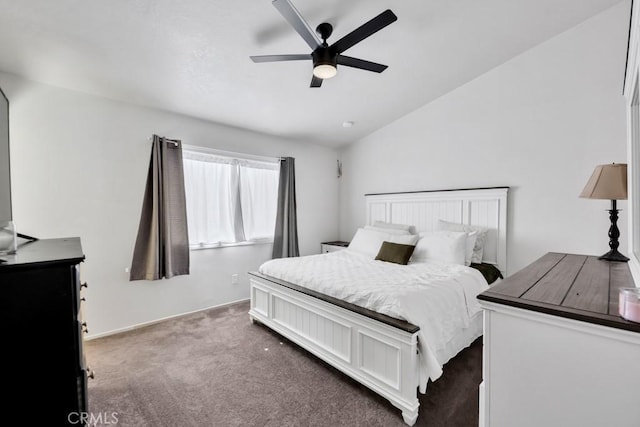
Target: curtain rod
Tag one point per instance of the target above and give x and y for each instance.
(175, 142)
(220, 152)
(224, 153)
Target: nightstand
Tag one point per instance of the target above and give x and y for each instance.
(326, 247)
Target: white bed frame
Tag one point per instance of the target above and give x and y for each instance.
(379, 352)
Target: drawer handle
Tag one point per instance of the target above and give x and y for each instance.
(84, 328)
(84, 285)
(91, 374)
(83, 299)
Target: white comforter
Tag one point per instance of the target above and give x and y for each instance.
(439, 298)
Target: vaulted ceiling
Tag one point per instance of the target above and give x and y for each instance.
(192, 56)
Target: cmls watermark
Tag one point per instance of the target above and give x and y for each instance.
(93, 419)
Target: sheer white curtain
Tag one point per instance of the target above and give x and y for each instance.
(229, 200)
(259, 198)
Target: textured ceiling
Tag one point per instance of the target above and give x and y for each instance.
(192, 56)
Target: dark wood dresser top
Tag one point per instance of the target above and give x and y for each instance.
(46, 251)
(578, 287)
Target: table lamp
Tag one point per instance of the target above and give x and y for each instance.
(609, 182)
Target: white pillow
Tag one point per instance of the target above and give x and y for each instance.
(405, 239)
(472, 237)
(368, 241)
(447, 246)
(387, 230)
(390, 226)
(478, 248)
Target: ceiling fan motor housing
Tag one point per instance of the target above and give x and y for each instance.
(324, 56)
(324, 63)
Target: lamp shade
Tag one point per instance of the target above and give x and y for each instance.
(607, 182)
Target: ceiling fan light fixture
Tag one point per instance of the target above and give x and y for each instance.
(325, 71)
(326, 57)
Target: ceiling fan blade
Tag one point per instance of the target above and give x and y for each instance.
(365, 30)
(361, 63)
(291, 14)
(276, 58)
(316, 82)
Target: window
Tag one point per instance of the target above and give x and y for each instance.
(231, 199)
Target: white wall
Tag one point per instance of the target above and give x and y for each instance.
(539, 123)
(79, 166)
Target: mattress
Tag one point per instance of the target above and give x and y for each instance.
(440, 298)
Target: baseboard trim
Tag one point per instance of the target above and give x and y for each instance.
(163, 319)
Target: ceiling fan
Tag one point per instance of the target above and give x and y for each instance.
(326, 58)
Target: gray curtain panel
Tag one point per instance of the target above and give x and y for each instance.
(162, 245)
(285, 241)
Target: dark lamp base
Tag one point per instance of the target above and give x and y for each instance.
(614, 255)
(614, 234)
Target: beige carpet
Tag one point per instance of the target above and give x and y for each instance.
(215, 368)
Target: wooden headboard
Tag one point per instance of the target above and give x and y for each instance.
(485, 207)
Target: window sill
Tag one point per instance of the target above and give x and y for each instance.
(229, 245)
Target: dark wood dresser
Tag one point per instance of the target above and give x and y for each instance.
(556, 352)
(42, 285)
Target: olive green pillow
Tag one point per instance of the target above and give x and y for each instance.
(395, 252)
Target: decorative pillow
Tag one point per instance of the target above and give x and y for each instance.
(489, 271)
(395, 252)
(447, 246)
(387, 230)
(478, 248)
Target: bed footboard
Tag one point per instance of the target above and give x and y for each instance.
(380, 356)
